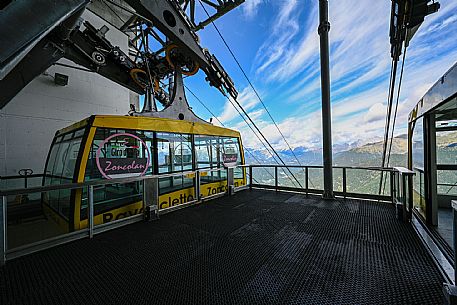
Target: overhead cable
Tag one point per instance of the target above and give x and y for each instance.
(395, 113)
(255, 91)
(222, 124)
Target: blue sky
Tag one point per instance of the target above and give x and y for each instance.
(278, 46)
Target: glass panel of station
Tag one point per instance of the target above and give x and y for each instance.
(417, 156)
(446, 166)
(434, 160)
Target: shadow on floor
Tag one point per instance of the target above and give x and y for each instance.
(257, 247)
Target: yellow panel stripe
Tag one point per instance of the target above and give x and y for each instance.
(162, 125)
(74, 126)
(82, 172)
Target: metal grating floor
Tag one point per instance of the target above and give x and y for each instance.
(257, 247)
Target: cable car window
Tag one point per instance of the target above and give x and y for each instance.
(216, 152)
(208, 150)
(72, 152)
(174, 152)
(117, 153)
(59, 139)
(174, 155)
(231, 155)
(51, 162)
(230, 152)
(53, 196)
(79, 132)
(67, 136)
(60, 169)
(60, 162)
(203, 151)
(68, 173)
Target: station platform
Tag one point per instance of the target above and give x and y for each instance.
(256, 247)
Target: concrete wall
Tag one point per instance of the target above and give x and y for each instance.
(29, 121)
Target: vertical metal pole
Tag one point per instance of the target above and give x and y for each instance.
(230, 181)
(403, 181)
(398, 189)
(198, 194)
(145, 198)
(276, 178)
(324, 28)
(3, 227)
(151, 198)
(454, 213)
(410, 196)
(155, 197)
(344, 182)
(420, 187)
(250, 177)
(392, 187)
(306, 180)
(90, 209)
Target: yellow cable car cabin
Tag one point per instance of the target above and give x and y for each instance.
(107, 147)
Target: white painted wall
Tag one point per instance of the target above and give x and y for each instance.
(28, 123)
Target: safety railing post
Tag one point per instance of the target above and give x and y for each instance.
(198, 195)
(90, 211)
(276, 178)
(454, 214)
(392, 187)
(344, 182)
(230, 181)
(450, 289)
(403, 182)
(420, 186)
(306, 180)
(250, 177)
(3, 227)
(410, 196)
(151, 198)
(155, 197)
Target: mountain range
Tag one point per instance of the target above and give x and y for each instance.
(353, 154)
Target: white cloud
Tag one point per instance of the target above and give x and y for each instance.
(375, 113)
(360, 66)
(285, 27)
(250, 7)
(246, 98)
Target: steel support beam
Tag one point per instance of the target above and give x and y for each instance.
(324, 28)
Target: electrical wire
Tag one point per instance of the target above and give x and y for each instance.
(396, 106)
(258, 96)
(395, 114)
(274, 151)
(264, 138)
(222, 124)
(252, 86)
(393, 73)
(277, 155)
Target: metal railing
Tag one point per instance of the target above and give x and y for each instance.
(399, 190)
(402, 184)
(150, 195)
(24, 179)
(351, 182)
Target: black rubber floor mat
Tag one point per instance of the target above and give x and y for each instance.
(257, 247)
